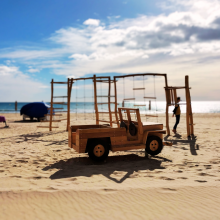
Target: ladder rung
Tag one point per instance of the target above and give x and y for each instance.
(129, 99)
(60, 82)
(60, 96)
(61, 103)
(61, 111)
(47, 127)
(139, 105)
(191, 124)
(152, 115)
(138, 88)
(149, 97)
(55, 108)
(63, 119)
(52, 121)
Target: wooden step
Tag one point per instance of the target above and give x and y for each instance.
(60, 103)
(129, 99)
(47, 127)
(138, 88)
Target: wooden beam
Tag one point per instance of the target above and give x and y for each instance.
(141, 74)
(59, 82)
(47, 127)
(95, 100)
(51, 107)
(129, 99)
(150, 98)
(138, 88)
(139, 105)
(152, 115)
(109, 102)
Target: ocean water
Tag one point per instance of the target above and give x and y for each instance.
(157, 107)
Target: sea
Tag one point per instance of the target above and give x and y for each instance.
(157, 107)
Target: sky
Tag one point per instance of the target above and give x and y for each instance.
(44, 40)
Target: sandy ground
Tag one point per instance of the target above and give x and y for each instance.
(42, 178)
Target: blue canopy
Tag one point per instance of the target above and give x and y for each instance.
(35, 109)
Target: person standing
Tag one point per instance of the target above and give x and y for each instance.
(176, 112)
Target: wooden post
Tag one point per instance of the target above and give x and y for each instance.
(16, 105)
(95, 100)
(167, 107)
(51, 106)
(69, 90)
(187, 104)
(116, 102)
(149, 104)
(189, 107)
(175, 96)
(109, 100)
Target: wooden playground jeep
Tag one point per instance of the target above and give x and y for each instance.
(97, 140)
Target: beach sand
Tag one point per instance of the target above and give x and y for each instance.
(42, 178)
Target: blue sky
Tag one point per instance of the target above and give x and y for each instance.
(41, 40)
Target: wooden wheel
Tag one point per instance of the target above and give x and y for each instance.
(154, 145)
(98, 149)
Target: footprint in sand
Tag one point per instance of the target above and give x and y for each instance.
(209, 166)
(168, 190)
(1, 171)
(165, 178)
(205, 174)
(22, 161)
(183, 178)
(201, 181)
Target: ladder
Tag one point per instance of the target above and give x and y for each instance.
(53, 104)
(108, 101)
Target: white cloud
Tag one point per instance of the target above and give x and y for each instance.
(16, 85)
(33, 70)
(93, 22)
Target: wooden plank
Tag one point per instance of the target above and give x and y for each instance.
(141, 74)
(105, 103)
(140, 126)
(60, 96)
(152, 115)
(127, 147)
(108, 122)
(70, 137)
(129, 99)
(101, 130)
(101, 135)
(138, 88)
(124, 108)
(150, 98)
(55, 108)
(187, 105)
(139, 105)
(60, 82)
(115, 91)
(109, 101)
(106, 112)
(95, 100)
(51, 106)
(60, 103)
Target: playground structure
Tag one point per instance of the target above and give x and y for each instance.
(122, 133)
(170, 93)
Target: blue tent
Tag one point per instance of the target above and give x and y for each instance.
(35, 109)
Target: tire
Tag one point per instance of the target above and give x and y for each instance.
(154, 145)
(98, 150)
(123, 125)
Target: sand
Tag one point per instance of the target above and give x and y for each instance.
(42, 178)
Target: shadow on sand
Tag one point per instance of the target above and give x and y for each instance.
(124, 164)
(191, 141)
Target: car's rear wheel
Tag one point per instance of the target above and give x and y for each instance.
(154, 145)
(98, 150)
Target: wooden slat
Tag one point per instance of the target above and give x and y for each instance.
(150, 98)
(60, 103)
(152, 115)
(139, 105)
(127, 147)
(55, 108)
(105, 96)
(108, 121)
(141, 74)
(106, 112)
(129, 99)
(101, 130)
(138, 88)
(60, 82)
(105, 103)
